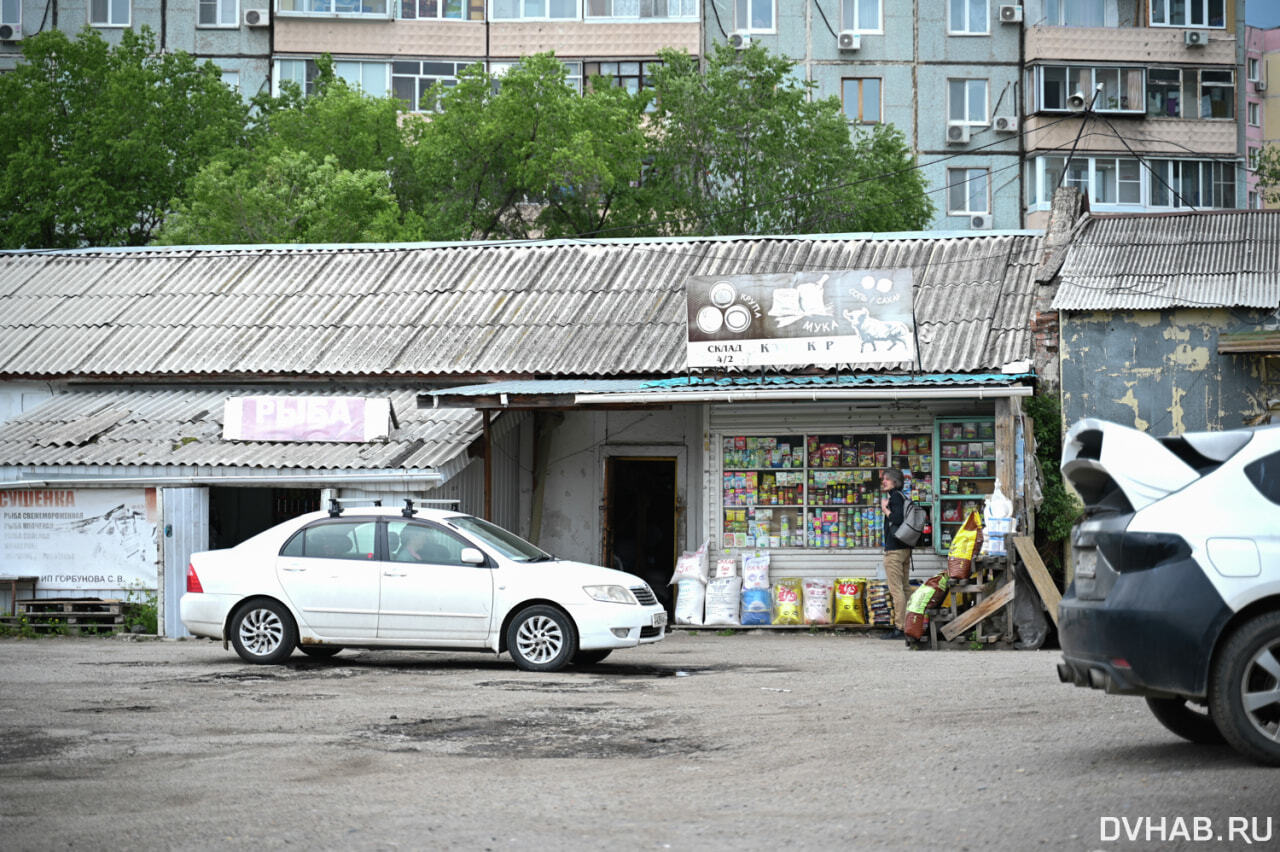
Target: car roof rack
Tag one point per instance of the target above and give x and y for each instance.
(338, 505)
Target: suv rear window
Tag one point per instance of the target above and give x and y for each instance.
(1265, 476)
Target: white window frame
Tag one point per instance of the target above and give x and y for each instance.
(969, 25)
(967, 174)
(111, 10)
(334, 9)
(278, 73)
(438, 16)
(1056, 12)
(748, 27)
(572, 67)
(14, 6)
(633, 79)
(851, 16)
(612, 14)
(220, 6)
(230, 78)
(858, 116)
(1207, 177)
(1161, 12)
(1254, 66)
(421, 75)
(1203, 84)
(1252, 152)
(525, 16)
(1253, 111)
(1093, 73)
(1254, 202)
(968, 105)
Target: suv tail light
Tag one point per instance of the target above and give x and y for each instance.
(193, 580)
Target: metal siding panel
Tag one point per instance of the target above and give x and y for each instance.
(184, 514)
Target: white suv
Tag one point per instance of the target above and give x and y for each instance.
(1176, 594)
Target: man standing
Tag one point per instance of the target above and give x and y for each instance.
(897, 556)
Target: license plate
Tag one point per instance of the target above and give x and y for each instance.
(659, 619)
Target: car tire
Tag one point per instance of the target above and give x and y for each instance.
(263, 632)
(541, 639)
(590, 658)
(1184, 719)
(1244, 689)
(320, 652)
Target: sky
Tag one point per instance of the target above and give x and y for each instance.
(1262, 13)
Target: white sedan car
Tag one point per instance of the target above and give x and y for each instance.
(403, 578)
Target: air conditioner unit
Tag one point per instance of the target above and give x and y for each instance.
(1006, 123)
(10, 32)
(957, 134)
(981, 222)
(1259, 85)
(739, 40)
(1010, 14)
(849, 40)
(256, 17)
(1196, 38)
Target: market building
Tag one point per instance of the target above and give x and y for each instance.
(616, 401)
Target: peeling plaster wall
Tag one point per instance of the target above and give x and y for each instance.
(1160, 371)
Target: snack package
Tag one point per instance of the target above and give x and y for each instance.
(879, 605)
(690, 596)
(851, 601)
(787, 608)
(691, 565)
(817, 601)
(755, 607)
(755, 570)
(967, 543)
(723, 600)
(726, 567)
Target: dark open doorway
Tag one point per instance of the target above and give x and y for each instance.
(640, 520)
(236, 514)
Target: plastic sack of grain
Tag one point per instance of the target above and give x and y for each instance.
(851, 600)
(787, 607)
(755, 607)
(723, 600)
(726, 567)
(691, 566)
(817, 601)
(690, 595)
(966, 544)
(755, 570)
(930, 593)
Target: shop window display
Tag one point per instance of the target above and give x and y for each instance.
(967, 462)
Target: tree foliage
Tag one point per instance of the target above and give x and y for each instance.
(1268, 171)
(95, 141)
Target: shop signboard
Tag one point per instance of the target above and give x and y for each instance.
(80, 538)
(306, 418)
(858, 316)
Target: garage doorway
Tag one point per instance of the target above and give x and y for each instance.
(236, 514)
(640, 519)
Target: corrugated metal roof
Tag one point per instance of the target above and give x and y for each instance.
(140, 426)
(1227, 258)
(606, 308)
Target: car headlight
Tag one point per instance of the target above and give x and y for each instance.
(610, 594)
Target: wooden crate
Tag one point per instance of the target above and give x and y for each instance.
(73, 615)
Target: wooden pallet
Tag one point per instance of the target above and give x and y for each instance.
(72, 615)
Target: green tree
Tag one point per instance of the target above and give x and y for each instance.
(96, 141)
(1268, 171)
(740, 148)
(525, 155)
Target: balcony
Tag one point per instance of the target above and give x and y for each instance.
(1138, 45)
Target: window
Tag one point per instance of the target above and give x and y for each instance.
(109, 13)
(753, 15)
(632, 76)
(1192, 183)
(1255, 114)
(1116, 181)
(11, 13)
(1164, 92)
(1217, 94)
(1253, 158)
(1121, 88)
(572, 70)
(861, 99)
(967, 191)
(450, 10)
(412, 80)
(967, 101)
(1188, 13)
(231, 79)
(218, 13)
(334, 540)
(969, 17)
(369, 76)
(650, 9)
(1081, 13)
(862, 15)
(424, 544)
(1126, 182)
(538, 10)
(372, 8)
(1255, 203)
(1253, 68)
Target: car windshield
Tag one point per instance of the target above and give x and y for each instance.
(509, 545)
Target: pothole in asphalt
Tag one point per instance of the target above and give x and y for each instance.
(582, 732)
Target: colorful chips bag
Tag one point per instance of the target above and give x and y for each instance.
(851, 601)
(817, 601)
(787, 608)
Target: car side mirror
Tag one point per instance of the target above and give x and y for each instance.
(472, 556)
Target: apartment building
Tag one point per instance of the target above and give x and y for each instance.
(234, 34)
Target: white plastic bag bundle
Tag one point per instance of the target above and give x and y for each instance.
(755, 570)
(723, 600)
(690, 595)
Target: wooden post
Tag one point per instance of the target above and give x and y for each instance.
(488, 465)
(1007, 410)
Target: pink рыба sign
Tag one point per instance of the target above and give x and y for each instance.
(306, 418)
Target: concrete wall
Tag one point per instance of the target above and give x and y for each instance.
(1160, 371)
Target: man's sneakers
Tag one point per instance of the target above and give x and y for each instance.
(895, 633)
